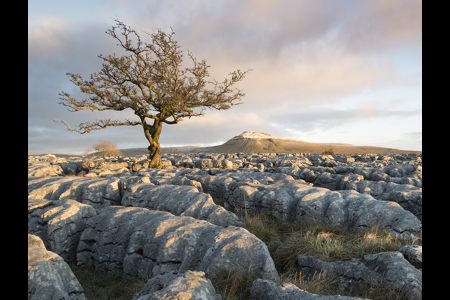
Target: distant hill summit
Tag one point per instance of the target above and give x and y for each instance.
(253, 135)
(261, 142)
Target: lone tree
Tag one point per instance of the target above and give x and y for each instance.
(151, 82)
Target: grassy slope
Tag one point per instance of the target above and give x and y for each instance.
(273, 146)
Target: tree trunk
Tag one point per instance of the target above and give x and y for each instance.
(152, 134)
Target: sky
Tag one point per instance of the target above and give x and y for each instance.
(326, 71)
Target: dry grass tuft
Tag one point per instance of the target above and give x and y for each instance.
(286, 240)
(101, 285)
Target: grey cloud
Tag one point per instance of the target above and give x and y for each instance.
(303, 52)
(249, 29)
(324, 118)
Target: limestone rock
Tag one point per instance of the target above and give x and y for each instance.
(34, 240)
(97, 192)
(413, 254)
(43, 169)
(387, 268)
(293, 201)
(179, 180)
(59, 224)
(189, 285)
(180, 201)
(267, 289)
(49, 277)
(140, 241)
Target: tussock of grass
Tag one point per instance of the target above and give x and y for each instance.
(286, 240)
(107, 286)
(233, 285)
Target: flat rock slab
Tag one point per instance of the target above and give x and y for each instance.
(44, 168)
(138, 241)
(97, 192)
(191, 285)
(267, 289)
(180, 200)
(289, 201)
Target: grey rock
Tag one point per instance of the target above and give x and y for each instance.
(72, 167)
(43, 169)
(222, 185)
(294, 201)
(413, 254)
(390, 269)
(97, 192)
(409, 197)
(189, 285)
(34, 240)
(179, 180)
(180, 201)
(59, 224)
(267, 289)
(49, 277)
(138, 241)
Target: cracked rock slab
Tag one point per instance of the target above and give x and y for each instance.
(97, 192)
(291, 200)
(139, 241)
(180, 200)
(59, 223)
(390, 269)
(267, 289)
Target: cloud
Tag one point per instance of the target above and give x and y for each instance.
(328, 118)
(307, 56)
(46, 37)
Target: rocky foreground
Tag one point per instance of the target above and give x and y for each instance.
(118, 215)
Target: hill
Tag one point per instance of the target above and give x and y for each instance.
(260, 142)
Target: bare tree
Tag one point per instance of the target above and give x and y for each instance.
(151, 82)
(104, 148)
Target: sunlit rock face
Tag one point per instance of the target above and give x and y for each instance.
(390, 269)
(180, 200)
(141, 241)
(97, 192)
(188, 285)
(49, 276)
(291, 200)
(59, 223)
(267, 289)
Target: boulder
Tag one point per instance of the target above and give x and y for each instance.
(189, 285)
(267, 289)
(390, 269)
(49, 276)
(59, 224)
(138, 241)
(72, 167)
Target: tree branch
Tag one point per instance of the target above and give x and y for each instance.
(98, 124)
